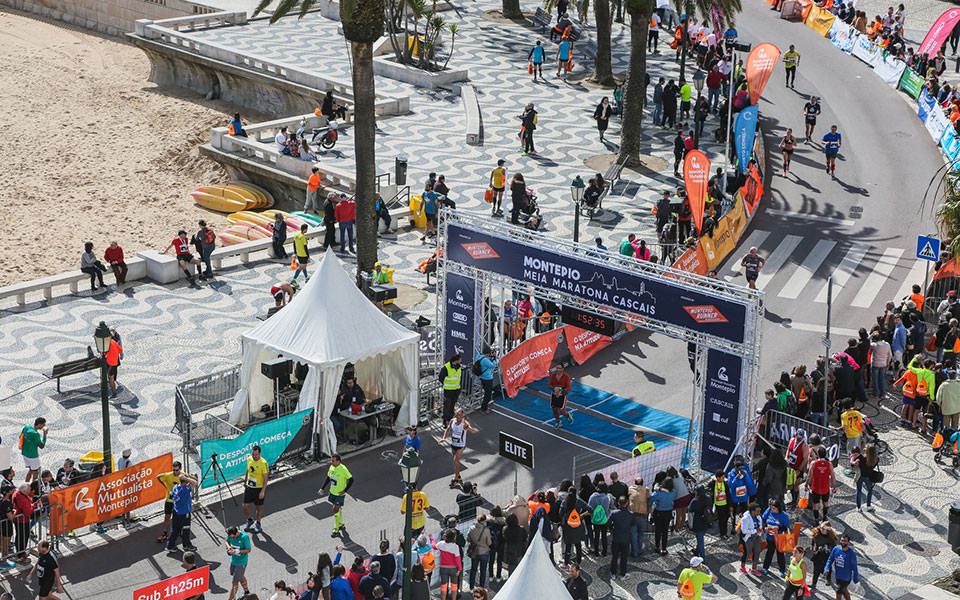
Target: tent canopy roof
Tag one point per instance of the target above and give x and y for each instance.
(330, 321)
(535, 572)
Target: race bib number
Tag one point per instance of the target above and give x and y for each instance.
(740, 491)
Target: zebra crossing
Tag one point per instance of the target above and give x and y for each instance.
(798, 268)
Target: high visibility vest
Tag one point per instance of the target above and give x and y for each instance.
(921, 386)
(452, 380)
(534, 505)
(909, 384)
(545, 319)
(686, 590)
(795, 574)
(574, 519)
(719, 494)
(643, 448)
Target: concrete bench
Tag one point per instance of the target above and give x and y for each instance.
(136, 269)
(471, 106)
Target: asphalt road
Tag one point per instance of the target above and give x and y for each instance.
(811, 221)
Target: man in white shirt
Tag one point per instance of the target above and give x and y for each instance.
(280, 142)
(653, 34)
(752, 530)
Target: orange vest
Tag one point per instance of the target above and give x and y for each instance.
(909, 380)
(314, 182)
(534, 505)
(921, 387)
(545, 319)
(428, 562)
(918, 300)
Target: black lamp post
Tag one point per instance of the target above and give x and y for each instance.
(102, 338)
(698, 79)
(576, 192)
(409, 471)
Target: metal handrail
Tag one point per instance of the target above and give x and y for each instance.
(396, 201)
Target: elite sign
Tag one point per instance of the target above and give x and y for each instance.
(516, 450)
(645, 296)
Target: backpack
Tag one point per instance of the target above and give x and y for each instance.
(477, 368)
(599, 516)
(208, 236)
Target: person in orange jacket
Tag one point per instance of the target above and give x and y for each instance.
(909, 381)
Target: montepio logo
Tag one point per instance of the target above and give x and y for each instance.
(705, 313)
(480, 250)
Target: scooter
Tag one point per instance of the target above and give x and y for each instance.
(327, 135)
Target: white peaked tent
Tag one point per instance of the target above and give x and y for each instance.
(328, 324)
(535, 576)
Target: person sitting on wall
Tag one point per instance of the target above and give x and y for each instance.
(236, 126)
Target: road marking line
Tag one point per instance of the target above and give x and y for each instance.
(805, 271)
(822, 219)
(914, 276)
(550, 433)
(881, 272)
(821, 329)
(777, 259)
(843, 272)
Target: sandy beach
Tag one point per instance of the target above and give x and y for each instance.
(93, 151)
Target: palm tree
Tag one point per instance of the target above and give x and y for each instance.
(602, 71)
(715, 12)
(635, 88)
(362, 22)
(511, 9)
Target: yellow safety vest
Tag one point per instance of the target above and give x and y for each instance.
(795, 574)
(643, 448)
(719, 495)
(452, 380)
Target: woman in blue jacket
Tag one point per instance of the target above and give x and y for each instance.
(775, 521)
(339, 587)
(741, 486)
(661, 507)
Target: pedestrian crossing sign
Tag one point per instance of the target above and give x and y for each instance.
(928, 248)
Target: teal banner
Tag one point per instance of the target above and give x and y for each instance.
(278, 438)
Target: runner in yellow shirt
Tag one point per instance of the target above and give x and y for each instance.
(791, 60)
(255, 487)
(419, 515)
(498, 178)
(691, 581)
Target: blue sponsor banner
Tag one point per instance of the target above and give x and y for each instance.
(721, 410)
(925, 104)
(950, 143)
(744, 130)
(277, 438)
(647, 296)
(459, 312)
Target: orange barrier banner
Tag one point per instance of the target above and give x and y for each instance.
(751, 192)
(109, 496)
(725, 235)
(820, 20)
(692, 261)
(696, 174)
(760, 63)
(529, 361)
(583, 343)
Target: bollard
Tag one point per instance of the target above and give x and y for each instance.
(401, 168)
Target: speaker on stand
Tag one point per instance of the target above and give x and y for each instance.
(275, 369)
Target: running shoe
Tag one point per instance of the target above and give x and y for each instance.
(570, 418)
(756, 572)
(257, 528)
(743, 570)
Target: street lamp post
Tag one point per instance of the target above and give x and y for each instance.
(736, 47)
(576, 192)
(102, 338)
(698, 79)
(409, 470)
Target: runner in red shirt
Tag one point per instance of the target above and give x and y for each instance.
(181, 245)
(559, 385)
(821, 480)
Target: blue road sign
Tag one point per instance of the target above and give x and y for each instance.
(928, 248)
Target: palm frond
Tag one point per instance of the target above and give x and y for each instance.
(262, 5)
(282, 10)
(306, 6)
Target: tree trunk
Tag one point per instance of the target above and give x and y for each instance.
(511, 9)
(635, 88)
(602, 71)
(364, 134)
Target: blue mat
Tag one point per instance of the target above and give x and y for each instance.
(625, 410)
(584, 425)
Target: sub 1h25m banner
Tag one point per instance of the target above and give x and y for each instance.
(744, 131)
(721, 410)
(277, 438)
(460, 317)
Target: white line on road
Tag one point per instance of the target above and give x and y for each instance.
(822, 329)
(777, 259)
(804, 273)
(845, 270)
(881, 272)
(550, 433)
(914, 276)
(822, 219)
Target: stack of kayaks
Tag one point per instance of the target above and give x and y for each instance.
(247, 225)
(232, 196)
